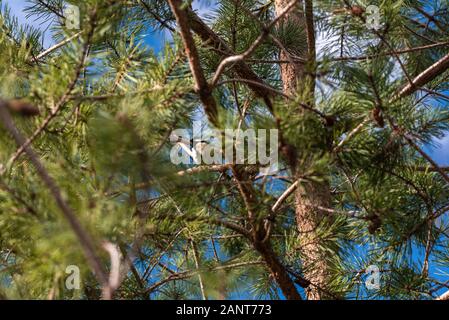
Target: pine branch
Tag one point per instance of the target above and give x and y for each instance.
(188, 274)
(444, 296)
(201, 86)
(211, 39)
(285, 195)
(425, 77)
(241, 57)
(277, 92)
(114, 279)
(56, 47)
(156, 16)
(62, 101)
(5, 187)
(197, 265)
(387, 54)
(434, 165)
(85, 240)
(200, 169)
(259, 238)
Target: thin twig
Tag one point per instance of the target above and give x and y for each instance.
(426, 76)
(240, 57)
(284, 196)
(56, 46)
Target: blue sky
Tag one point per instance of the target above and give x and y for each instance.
(441, 152)
(17, 7)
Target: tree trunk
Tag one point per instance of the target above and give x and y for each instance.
(290, 73)
(310, 195)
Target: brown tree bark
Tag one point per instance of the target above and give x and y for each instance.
(278, 271)
(291, 73)
(257, 236)
(310, 195)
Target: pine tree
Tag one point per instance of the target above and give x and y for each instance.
(86, 134)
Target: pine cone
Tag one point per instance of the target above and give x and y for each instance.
(357, 11)
(23, 108)
(375, 223)
(378, 117)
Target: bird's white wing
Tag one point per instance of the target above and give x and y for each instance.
(191, 152)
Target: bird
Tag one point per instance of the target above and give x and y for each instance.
(198, 149)
(193, 147)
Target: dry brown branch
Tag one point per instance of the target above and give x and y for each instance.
(284, 196)
(444, 296)
(114, 279)
(426, 76)
(201, 86)
(434, 165)
(56, 47)
(211, 39)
